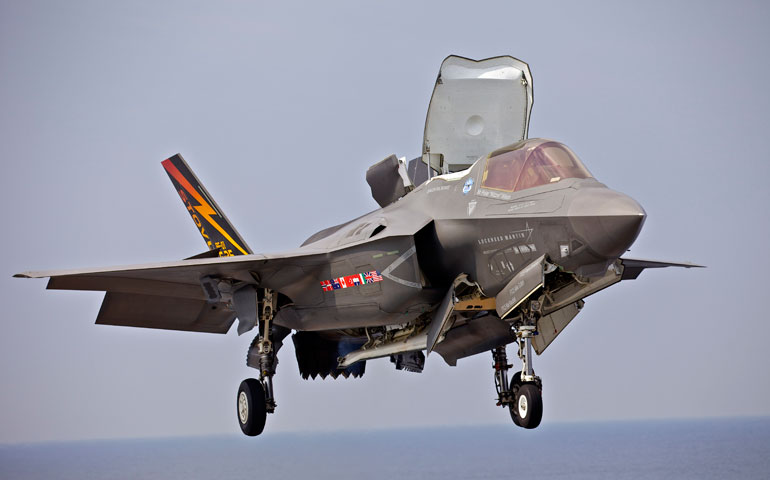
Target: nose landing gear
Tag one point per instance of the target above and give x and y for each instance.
(523, 395)
(528, 406)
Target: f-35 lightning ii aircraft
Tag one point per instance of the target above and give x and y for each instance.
(470, 251)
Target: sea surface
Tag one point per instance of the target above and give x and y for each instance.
(698, 449)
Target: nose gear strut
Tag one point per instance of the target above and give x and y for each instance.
(501, 366)
(523, 394)
(524, 336)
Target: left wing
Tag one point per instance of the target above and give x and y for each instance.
(190, 295)
(194, 294)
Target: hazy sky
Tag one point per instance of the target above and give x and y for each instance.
(281, 107)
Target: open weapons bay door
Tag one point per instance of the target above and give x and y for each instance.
(476, 107)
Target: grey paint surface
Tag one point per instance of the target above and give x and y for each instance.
(96, 93)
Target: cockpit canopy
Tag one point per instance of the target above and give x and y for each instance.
(531, 163)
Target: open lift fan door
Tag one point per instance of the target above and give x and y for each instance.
(477, 107)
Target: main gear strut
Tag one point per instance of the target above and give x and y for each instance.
(501, 366)
(256, 398)
(267, 360)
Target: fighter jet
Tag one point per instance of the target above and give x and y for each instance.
(488, 238)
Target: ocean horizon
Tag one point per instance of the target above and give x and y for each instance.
(703, 448)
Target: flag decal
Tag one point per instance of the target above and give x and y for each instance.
(351, 281)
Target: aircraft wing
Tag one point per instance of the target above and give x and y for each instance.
(633, 267)
(178, 295)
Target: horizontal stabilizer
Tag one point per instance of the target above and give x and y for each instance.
(168, 313)
(632, 267)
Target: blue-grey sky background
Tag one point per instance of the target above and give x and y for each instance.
(280, 107)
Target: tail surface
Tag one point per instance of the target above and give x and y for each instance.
(216, 230)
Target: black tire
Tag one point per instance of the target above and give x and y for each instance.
(250, 407)
(528, 406)
(515, 382)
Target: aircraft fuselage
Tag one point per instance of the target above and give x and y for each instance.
(577, 223)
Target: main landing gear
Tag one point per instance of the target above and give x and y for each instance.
(523, 395)
(256, 397)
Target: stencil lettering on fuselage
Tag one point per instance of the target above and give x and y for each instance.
(524, 234)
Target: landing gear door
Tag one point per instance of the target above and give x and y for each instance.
(550, 326)
(520, 287)
(477, 107)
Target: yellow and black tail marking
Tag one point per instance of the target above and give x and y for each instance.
(216, 229)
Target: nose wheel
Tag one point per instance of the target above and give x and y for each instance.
(527, 409)
(523, 395)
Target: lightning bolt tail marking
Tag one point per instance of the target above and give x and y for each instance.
(203, 208)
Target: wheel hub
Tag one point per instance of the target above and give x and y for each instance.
(243, 408)
(522, 406)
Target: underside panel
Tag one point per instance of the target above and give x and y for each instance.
(318, 356)
(476, 336)
(342, 317)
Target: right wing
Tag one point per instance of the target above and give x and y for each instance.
(632, 267)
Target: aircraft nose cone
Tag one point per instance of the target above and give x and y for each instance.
(608, 222)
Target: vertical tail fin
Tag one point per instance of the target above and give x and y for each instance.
(217, 231)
